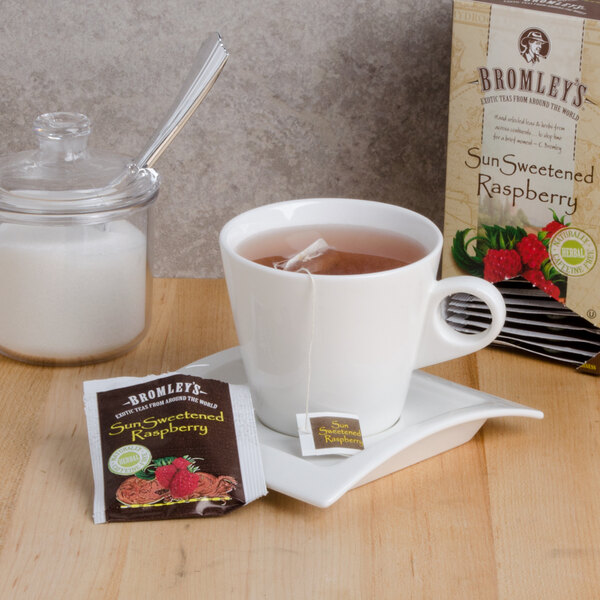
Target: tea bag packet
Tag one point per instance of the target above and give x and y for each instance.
(329, 433)
(535, 323)
(171, 446)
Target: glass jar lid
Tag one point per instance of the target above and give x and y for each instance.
(65, 178)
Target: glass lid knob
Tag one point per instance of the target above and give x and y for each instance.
(62, 135)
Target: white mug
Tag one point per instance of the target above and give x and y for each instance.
(343, 343)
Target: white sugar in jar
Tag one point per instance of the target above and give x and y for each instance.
(71, 292)
(74, 262)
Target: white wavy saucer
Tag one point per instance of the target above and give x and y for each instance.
(438, 415)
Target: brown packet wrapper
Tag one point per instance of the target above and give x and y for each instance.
(171, 446)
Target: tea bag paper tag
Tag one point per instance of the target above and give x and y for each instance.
(329, 433)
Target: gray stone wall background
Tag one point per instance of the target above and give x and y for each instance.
(332, 98)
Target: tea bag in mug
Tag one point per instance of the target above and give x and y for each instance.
(319, 257)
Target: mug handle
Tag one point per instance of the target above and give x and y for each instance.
(440, 341)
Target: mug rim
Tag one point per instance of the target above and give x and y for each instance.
(227, 246)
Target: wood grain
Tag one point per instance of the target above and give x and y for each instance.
(510, 515)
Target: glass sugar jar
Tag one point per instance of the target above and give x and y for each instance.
(75, 278)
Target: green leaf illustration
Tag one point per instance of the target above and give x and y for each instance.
(472, 264)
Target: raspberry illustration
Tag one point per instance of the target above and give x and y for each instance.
(536, 277)
(533, 252)
(553, 227)
(181, 463)
(183, 483)
(499, 265)
(165, 474)
(552, 290)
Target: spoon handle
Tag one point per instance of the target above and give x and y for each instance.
(206, 68)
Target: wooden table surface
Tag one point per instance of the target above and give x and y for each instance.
(512, 514)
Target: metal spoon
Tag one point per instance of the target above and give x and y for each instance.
(206, 69)
(204, 72)
(207, 66)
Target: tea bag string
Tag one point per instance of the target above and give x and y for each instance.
(313, 295)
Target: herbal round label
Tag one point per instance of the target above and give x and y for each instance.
(572, 252)
(129, 459)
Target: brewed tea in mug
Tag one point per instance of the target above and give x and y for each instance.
(348, 250)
